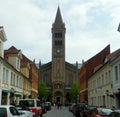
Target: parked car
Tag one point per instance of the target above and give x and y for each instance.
(101, 112)
(115, 113)
(48, 105)
(71, 107)
(77, 108)
(87, 111)
(25, 111)
(33, 104)
(44, 109)
(9, 111)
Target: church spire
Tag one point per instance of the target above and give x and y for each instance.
(58, 19)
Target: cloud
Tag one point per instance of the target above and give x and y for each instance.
(90, 26)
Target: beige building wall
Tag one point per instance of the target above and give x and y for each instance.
(100, 91)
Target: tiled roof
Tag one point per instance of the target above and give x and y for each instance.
(12, 50)
(25, 59)
(113, 54)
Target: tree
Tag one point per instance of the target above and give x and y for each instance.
(42, 90)
(74, 92)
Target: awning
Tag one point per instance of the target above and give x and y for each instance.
(17, 94)
(6, 91)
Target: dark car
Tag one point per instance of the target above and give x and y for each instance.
(115, 113)
(71, 107)
(48, 105)
(77, 108)
(44, 109)
(87, 111)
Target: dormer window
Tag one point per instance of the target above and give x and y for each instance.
(18, 64)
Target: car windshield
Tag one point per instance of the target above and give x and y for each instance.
(105, 111)
(91, 107)
(3, 111)
(14, 111)
(27, 103)
(38, 103)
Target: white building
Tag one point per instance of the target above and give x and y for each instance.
(115, 63)
(100, 84)
(11, 79)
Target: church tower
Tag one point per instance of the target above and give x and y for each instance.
(58, 57)
(58, 74)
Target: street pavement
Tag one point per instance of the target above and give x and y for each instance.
(55, 112)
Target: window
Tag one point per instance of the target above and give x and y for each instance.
(106, 77)
(21, 82)
(18, 64)
(102, 79)
(70, 79)
(116, 73)
(12, 78)
(3, 75)
(7, 76)
(3, 112)
(28, 103)
(58, 42)
(46, 78)
(109, 76)
(14, 111)
(17, 81)
(58, 35)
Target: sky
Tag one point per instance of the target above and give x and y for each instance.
(91, 25)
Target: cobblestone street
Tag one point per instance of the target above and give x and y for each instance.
(55, 112)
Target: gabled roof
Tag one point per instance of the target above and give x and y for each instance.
(12, 50)
(113, 55)
(25, 59)
(109, 57)
(95, 62)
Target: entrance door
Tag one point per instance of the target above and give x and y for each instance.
(57, 99)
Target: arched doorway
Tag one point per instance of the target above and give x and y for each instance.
(58, 97)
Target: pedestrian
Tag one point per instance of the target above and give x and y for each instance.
(58, 105)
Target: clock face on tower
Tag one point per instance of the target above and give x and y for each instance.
(58, 50)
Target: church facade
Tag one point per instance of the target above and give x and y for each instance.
(58, 74)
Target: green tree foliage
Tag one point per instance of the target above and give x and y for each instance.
(42, 90)
(75, 88)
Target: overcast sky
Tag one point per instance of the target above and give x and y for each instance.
(90, 26)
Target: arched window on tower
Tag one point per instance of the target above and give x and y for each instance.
(58, 43)
(58, 35)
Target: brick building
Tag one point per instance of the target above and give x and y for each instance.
(87, 70)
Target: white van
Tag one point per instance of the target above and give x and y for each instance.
(33, 104)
